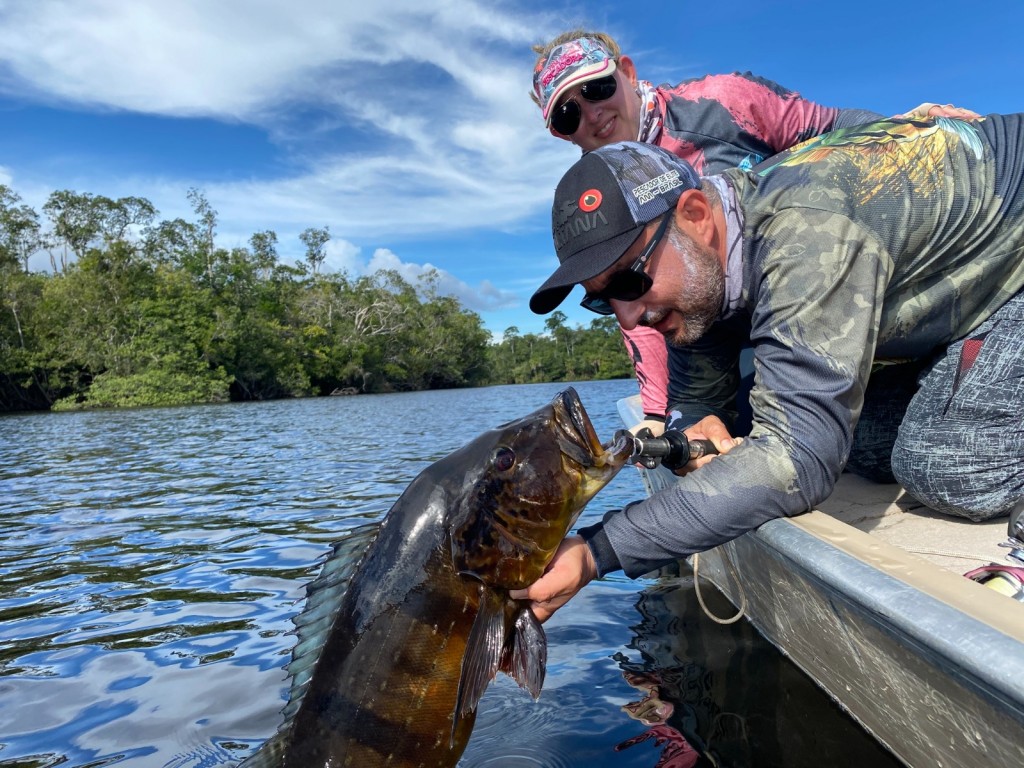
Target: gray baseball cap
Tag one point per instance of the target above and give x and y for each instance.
(602, 204)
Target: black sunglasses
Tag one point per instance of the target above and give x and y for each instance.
(627, 284)
(566, 117)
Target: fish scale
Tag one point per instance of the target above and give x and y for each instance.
(415, 665)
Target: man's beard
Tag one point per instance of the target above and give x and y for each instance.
(700, 303)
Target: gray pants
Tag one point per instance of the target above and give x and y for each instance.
(949, 430)
(961, 445)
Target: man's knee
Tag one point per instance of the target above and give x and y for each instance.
(960, 448)
(951, 480)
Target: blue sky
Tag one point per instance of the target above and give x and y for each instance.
(405, 126)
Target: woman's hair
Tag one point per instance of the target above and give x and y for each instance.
(544, 49)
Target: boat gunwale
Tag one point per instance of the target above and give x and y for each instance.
(953, 617)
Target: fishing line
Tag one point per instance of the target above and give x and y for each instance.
(700, 598)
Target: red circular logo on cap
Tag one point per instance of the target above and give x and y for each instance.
(590, 200)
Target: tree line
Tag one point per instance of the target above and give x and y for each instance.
(136, 310)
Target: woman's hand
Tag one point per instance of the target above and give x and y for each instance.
(940, 110)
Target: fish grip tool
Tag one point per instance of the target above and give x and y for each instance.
(671, 449)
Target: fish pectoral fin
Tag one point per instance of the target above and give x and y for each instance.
(526, 657)
(483, 654)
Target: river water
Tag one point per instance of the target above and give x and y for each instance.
(151, 561)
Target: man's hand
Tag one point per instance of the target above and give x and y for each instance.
(709, 428)
(571, 569)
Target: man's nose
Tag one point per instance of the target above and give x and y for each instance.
(628, 313)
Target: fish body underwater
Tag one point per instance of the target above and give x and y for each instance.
(402, 634)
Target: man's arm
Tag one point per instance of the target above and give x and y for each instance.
(814, 327)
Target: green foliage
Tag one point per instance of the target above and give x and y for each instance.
(140, 312)
(315, 241)
(563, 354)
(20, 234)
(160, 385)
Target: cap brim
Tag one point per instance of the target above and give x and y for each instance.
(579, 267)
(590, 72)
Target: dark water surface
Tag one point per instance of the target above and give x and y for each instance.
(151, 561)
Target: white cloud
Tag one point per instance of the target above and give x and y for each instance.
(436, 94)
(236, 58)
(421, 120)
(484, 298)
(342, 256)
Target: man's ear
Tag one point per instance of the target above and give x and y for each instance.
(695, 216)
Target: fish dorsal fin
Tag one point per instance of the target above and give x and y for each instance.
(270, 754)
(484, 651)
(324, 596)
(526, 657)
(323, 599)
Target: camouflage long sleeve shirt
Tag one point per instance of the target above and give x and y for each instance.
(882, 241)
(715, 123)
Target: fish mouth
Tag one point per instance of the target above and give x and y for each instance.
(584, 445)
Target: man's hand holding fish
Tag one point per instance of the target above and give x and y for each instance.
(572, 568)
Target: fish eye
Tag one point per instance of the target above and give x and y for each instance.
(504, 459)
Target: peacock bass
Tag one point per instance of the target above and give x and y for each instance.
(410, 620)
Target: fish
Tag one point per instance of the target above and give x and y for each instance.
(409, 620)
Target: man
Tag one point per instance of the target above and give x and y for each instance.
(901, 239)
(589, 93)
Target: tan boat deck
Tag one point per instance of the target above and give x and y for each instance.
(890, 515)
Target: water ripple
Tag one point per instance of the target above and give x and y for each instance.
(152, 560)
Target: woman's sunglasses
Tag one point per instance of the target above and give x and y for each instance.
(627, 284)
(566, 117)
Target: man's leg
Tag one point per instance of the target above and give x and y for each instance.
(886, 400)
(960, 448)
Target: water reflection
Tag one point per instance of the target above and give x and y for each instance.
(717, 695)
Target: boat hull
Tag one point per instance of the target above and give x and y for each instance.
(929, 662)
